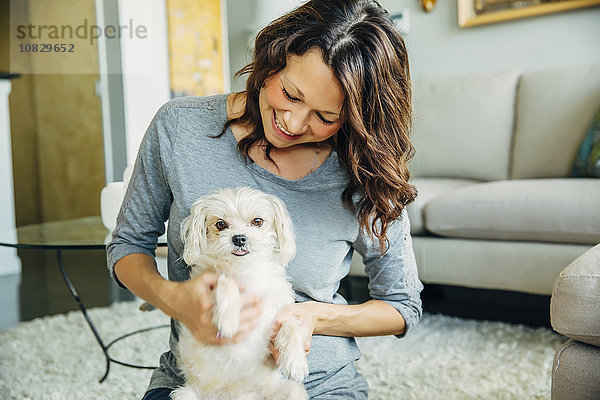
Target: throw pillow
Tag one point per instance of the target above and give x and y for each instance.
(587, 162)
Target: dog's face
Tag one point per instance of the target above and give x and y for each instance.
(238, 223)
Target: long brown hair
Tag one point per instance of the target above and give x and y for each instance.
(368, 56)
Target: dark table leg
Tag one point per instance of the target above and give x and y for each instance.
(109, 359)
(83, 309)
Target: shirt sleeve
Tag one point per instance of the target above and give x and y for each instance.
(147, 201)
(393, 276)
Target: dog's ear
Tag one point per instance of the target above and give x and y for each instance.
(284, 231)
(193, 233)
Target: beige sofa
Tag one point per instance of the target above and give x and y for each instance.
(497, 208)
(575, 312)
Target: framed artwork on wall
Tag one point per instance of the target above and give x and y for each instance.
(481, 12)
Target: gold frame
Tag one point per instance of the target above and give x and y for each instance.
(467, 17)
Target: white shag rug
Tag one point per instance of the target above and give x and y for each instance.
(57, 358)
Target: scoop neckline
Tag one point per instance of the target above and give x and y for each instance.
(258, 170)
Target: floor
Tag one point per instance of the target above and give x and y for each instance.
(42, 291)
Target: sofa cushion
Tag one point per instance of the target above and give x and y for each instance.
(554, 109)
(530, 267)
(429, 188)
(575, 302)
(546, 210)
(463, 126)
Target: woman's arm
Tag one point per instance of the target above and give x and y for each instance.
(394, 287)
(393, 277)
(138, 272)
(372, 318)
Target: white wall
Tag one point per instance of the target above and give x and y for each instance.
(146, 83)
(134, 76)
(240, 26)
(244, 19)
(438, 47)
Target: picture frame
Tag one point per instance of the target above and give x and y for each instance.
(481, 12)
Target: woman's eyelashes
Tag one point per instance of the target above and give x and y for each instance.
(289, 96)
(295, 100)
(323, 120)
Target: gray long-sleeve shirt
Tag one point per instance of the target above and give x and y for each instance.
(178, 162)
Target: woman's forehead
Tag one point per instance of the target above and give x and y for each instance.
(314, 81)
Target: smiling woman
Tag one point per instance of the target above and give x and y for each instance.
(364, 60)
(323, 125)
(293, 108)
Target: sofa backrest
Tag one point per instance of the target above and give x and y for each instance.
(463, 125)
(554, 109)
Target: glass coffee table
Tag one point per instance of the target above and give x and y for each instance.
(75, 234)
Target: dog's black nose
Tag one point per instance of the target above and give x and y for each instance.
(239, 240)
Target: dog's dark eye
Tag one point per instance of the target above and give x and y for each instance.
(221, 225)
(257, 221)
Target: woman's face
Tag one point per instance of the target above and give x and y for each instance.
(302, 103)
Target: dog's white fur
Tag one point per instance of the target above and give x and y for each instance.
(242, 370)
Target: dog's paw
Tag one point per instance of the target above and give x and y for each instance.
(295, 368)
(228, 305)
(184, 393)
(290, 390)
(290, 344)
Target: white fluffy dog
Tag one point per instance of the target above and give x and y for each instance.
(246, 237)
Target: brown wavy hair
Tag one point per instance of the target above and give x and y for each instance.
(358, 40)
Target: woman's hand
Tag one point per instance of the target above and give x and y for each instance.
(193, 304)
(300, 311)
(190, 302)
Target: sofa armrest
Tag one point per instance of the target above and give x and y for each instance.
(576, 372)
(111, 198)
(575, 302)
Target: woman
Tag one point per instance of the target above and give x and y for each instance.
(323, 124)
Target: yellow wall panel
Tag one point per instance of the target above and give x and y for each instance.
(195, 47)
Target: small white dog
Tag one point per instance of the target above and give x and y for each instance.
(246, 237)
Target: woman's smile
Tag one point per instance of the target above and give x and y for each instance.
(281, 130)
